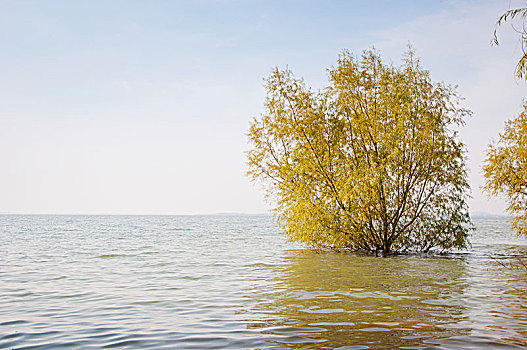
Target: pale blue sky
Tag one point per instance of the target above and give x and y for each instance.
(143, 106)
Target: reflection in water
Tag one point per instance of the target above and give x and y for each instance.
(335, 300)
(209, 282)
(345, 299)
(496, 298)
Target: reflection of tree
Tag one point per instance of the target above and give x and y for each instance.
(332, 300)
(502, 304)
(513, 315)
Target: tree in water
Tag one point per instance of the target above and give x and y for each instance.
(505, 167)
(371, 162)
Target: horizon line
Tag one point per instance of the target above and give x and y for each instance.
(474, 214)
(140, 214)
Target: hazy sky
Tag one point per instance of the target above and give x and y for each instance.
(134, 107)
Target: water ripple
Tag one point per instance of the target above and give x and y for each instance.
(216, 282)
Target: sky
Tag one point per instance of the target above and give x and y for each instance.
(143, 107)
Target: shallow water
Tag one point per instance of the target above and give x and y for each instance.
(235, 282)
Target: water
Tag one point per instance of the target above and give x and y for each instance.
(91, 282)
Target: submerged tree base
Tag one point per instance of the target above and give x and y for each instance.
(378, 252)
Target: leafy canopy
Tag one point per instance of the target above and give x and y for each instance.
(510, 16)
(505, 169)
(371, 162)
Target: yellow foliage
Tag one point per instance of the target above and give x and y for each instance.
(506, 169)
(510, 16)
(370, 162)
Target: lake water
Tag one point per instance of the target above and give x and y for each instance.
(230, 282)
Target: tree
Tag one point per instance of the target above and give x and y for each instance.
(371, 162)
(505, 169)
(509, 16)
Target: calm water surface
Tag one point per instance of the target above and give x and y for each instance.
(90, 282)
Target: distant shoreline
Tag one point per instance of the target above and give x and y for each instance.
(95, 214)
(473, 215)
